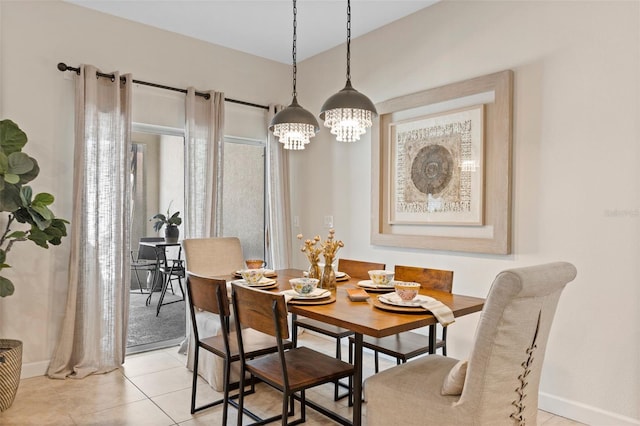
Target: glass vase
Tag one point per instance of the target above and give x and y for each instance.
(328, 281)
(314, 270)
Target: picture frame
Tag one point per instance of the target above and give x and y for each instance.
(436, 168)
(488, 230)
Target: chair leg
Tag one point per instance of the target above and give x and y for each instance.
(241, 395)
(162, 293)
(135, 272)
(285, 411)
(225, 400)
(294, 330)
(194, 384)
(181, 289)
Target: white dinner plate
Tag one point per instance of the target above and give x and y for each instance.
(318, 293)
(394, 299)
(371, 284)
(262, 283)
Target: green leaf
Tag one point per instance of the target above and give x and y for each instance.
(12, 138)
(4, 265)
(10, 198)
(39, 237)
(4, 162)
(26, 194)
(31, 174)
(44, 199)
(6, 287)
(20, 163)
(40, 221)
(11, 178)
(18, 235)
(3, 256)
(43, 212)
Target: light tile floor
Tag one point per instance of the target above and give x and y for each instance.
(154, 388)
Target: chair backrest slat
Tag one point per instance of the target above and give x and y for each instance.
(254, 309)
(146, 252)
(358, 268)
(435, 279)
(204, 293)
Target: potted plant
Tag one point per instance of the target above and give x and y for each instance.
(41, 226)
(172, 221)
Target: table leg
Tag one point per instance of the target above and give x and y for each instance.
(432, 338)
(157, 280)
(357, 381)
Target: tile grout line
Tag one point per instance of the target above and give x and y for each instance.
(150, 399)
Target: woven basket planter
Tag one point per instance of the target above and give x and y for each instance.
(10, 367)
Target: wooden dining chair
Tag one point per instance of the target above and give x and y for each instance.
(355, 269)
(289, 371)
(210, 295)
(407, 345)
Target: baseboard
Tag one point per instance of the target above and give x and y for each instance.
(34, 369)
(582, 412)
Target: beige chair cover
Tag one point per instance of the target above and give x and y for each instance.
(503, 373)
(211, 257)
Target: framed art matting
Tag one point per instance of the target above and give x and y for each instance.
(436, 169)
(441, 162)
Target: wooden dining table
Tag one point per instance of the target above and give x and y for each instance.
(364, 318)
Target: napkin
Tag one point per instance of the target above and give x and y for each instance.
(442, 312)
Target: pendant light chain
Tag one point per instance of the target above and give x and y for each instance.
(348, 40)
(293, 53)
(294, 125)
(348, 113)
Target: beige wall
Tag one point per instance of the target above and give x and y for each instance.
(575, 183)
(34, 37)
(576, 186)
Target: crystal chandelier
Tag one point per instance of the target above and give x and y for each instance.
(348, 113)
(294, 125)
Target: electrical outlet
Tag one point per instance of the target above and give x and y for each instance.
(296, 221)
(328, 221)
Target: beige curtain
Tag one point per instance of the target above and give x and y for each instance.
(203, 168)
(204, 157)
(93, 336)
(278, 232)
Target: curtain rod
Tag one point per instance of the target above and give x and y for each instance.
(64, 67)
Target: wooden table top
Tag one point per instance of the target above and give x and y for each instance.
(364, 318)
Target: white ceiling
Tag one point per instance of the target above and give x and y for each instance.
(262, 27)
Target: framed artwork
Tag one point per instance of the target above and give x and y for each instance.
(437, 168)
(441, 167)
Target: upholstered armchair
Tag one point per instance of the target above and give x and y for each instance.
(211, 257)
(499, 383)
